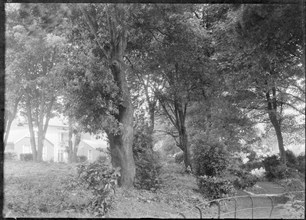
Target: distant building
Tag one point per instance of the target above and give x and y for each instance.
(55, 143)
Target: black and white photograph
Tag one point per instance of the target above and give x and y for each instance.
(154, 109)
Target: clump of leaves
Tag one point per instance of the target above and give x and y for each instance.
(26, 157)
(301, 162)
(147, 161)
(101, 179)
(10, 156)
(210, 159)
(210, 163)
(215, 187)
(276, 170)
(242, 177)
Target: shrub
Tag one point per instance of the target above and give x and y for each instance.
(102, 158)
(147, 171)
(101, 180)
(82, 158)
(215, 187)
(244, 181)
(147, 161)
(291, 160)
(276, 170)
(210, 159)
(26, 157)
(251, 165)
(242, 178)
(10, 156)
(301, 163)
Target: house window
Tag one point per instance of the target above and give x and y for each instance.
(26, 149)
(89, 156)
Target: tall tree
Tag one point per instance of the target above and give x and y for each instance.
(263, 56)
(38, 62)
(102, 39)
(178, 55)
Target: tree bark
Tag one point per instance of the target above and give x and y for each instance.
(272, 112)
(70, 146)
(183, 136)
(77, 140)
(120, 144)
(31, 129)
(10, 119)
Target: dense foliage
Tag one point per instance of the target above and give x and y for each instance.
(26, 157)
(101, 179)
(276, 170)
(210, 159)
(147, 161)
(215, 187)
(208, 73)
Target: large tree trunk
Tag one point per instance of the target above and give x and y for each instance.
(272, 112)
(120, 144)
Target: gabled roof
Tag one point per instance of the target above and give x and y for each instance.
(26, 136)
(96, 144)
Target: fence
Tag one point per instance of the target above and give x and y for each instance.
(253, 209)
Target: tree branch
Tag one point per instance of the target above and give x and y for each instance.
(93, 31)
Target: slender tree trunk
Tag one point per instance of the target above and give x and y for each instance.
(272, 112)
(70, 146)
(40, 138)
(77, 140)
(31, 129)
(10, 119)
(184, 146)
(152, 115)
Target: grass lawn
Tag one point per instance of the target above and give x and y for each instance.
(43, 190)
(50, 190)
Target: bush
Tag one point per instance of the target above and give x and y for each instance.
(82, 159)
(26, 157)
(101, 180)
(301, 163)
(10, 156)
(215, 187)
(147, 162)
(243, 178)
(210, 159)
(247, 180)
(276, 170)
(291, 160)
(251, 165)
(102, 158)
(147, 171)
